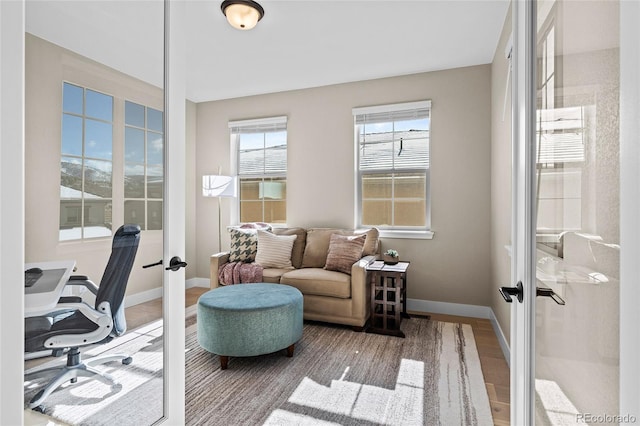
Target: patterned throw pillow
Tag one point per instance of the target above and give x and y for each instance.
(244, 245)
(244, 241)
(344, 251)
(274, 251)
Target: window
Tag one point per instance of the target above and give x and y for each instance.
(261, 149)
(562, 138)
(393, 166)
(86, 169)
(91, 131)
(143, 166)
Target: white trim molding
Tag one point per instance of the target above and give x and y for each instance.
(391, 108)
(198, 282)
(258, 121)
(156, 293)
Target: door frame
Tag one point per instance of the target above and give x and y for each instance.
(629, 208)
(173, 294)
(523, 211)
(12, 169)
(523, 226)
(12, 27)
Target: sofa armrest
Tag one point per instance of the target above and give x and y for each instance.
(360, 287)
(217, 260)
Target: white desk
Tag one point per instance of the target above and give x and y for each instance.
(42, 297)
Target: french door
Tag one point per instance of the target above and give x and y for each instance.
(574, 207)
(13, 16)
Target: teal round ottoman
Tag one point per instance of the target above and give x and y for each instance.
(249, 320)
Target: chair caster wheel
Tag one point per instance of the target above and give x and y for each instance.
(128, 360)
(39, 409)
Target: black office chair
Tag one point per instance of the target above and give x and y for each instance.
(74, 324)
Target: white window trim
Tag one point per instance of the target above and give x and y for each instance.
(406, 235)
(423, 233)
(235, 159)
(391, 108)
(258, 121)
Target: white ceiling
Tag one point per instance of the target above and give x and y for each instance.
(298, 44)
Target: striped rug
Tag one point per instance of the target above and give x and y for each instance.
(340, 377)
(336, 377)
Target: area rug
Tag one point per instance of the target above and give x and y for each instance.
(341, 377)
(138, 399)
(336, 377)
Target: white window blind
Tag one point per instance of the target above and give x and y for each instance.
(262, 146)
(393, 137)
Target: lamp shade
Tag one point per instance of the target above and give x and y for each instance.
(219, 186)
(242, 14)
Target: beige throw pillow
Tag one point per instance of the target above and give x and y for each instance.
(344, 251)
(274, 251)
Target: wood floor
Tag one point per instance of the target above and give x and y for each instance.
(494, 366)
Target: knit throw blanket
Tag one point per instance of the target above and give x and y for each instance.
(239, 273)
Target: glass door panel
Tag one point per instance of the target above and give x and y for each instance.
(577, 208)
(94, 161)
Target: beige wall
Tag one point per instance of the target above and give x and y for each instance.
(192, 191)
(501, 181)
(47, 66)
(454, 266)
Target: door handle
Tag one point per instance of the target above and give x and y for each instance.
(175, 263)
(507, 292)
(153, 264)
(547, 292)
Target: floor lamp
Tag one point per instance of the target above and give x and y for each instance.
(219, 186)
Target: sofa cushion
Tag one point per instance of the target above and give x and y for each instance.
(319, 282)
(317, 244)
(344, 251)
(274, 251)
(273, 275)
(298, 244)
(317, 248)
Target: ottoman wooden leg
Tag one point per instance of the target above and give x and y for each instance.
(224, 362)
(290, 351)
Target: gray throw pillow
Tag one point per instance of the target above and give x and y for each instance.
(244, 245)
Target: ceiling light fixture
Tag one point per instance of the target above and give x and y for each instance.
(242, 14)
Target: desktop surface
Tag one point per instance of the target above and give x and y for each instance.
(47, 281)
(43, 282)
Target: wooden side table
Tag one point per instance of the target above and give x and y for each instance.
(388, 297)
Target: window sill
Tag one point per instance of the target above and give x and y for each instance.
(407, 235)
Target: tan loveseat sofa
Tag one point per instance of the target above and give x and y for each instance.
(329, 296)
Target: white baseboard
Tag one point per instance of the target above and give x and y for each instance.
(506, 351)
(197, 282)
(458, 309)
(462, 310)
(156, 293)
(144, 296)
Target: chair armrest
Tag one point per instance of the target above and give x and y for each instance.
(217, 260)
(84, 281)
(101, 317)
(70, 299)
(360, 287)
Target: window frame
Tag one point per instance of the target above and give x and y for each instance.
(146, 129)
(83, 157)
(120, 93)
(265, 176)
(408, 232)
